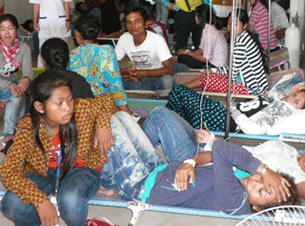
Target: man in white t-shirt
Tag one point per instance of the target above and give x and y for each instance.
(149, 53)
(51, 18)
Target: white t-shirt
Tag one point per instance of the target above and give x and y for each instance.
(278, 16)
(280, 157)
(149, 55)
(52, 18)
(214, 46)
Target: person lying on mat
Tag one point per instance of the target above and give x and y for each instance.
(258, 116)
(140, 174)
(248, 73)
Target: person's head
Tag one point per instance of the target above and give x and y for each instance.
(55, 53)
(135, 18)
(8, 29)
(241, 21)
(51, 101)
(296, 99)
(204, 15)
(151, 10)
(87, 28)
(81, 7)
(260, 199)
(253, 2)
(301, 161)
(28, 25)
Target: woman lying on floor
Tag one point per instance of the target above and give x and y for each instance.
(140, 174)
(257, 116)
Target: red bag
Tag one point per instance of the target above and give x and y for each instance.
(219, 84)
(95, 222)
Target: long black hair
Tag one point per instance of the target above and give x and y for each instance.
(205, 15)
(88, 26)
(55, 52)
(42, 88)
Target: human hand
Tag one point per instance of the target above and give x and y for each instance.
(184, 174)
(35, 26)
(103, 140)
(276, 184)
(47, 214)
(14, 90)
(301, 161)
(22, 86)
(170, 6)
(181, 51)
(202, 136)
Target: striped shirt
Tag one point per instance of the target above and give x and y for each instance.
(258, 23)
(247, 65)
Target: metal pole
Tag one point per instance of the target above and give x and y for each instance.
(233, 19)
(269, 28)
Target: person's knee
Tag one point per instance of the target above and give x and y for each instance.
(167, 82)
(159, 111)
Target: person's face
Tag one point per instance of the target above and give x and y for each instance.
(135, 24)
(8, 33)
(58, 109)
(257, 193)
(84, 6)
(297, 100)
(301, 161)
(239, 26)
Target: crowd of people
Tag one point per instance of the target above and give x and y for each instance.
(76, 135)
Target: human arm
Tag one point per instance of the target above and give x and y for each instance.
(35, 16)
(67, 13)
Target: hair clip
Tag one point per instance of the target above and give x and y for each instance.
(152, 2)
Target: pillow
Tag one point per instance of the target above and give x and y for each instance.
(294, 123)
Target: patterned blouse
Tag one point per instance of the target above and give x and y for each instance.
(90, 113)
(98, 65)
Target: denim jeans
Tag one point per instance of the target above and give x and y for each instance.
(162, 85)
(78, 186)
(174, 133)
(12, 109)
(162, 12)
(133, 156)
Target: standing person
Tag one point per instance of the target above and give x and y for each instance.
(258, 24)
(97, 63)
(13, 56)
(213, 45)
(185, 21)
(51, 18)
(54, 152)
(110, 16)
(152, 69)
(279, 19)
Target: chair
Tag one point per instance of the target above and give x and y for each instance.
(278, 58)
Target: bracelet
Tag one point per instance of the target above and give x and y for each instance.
(263, 170)
(68, 20)
(191, 162)
(186, 51)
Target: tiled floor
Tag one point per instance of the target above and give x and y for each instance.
(121, 216)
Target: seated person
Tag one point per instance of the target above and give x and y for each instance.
(257, 116)
(258, 24)
(248, 72)
(14, 55)
(213, 49)
(140, 174)
(152, 69)
(97, 63)
(55, 55)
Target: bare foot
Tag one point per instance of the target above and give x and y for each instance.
(106, 192)
(6, 139)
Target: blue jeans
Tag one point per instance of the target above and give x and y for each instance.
(78, 186)
(133, 156)
(12, 109)
(162, 85)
